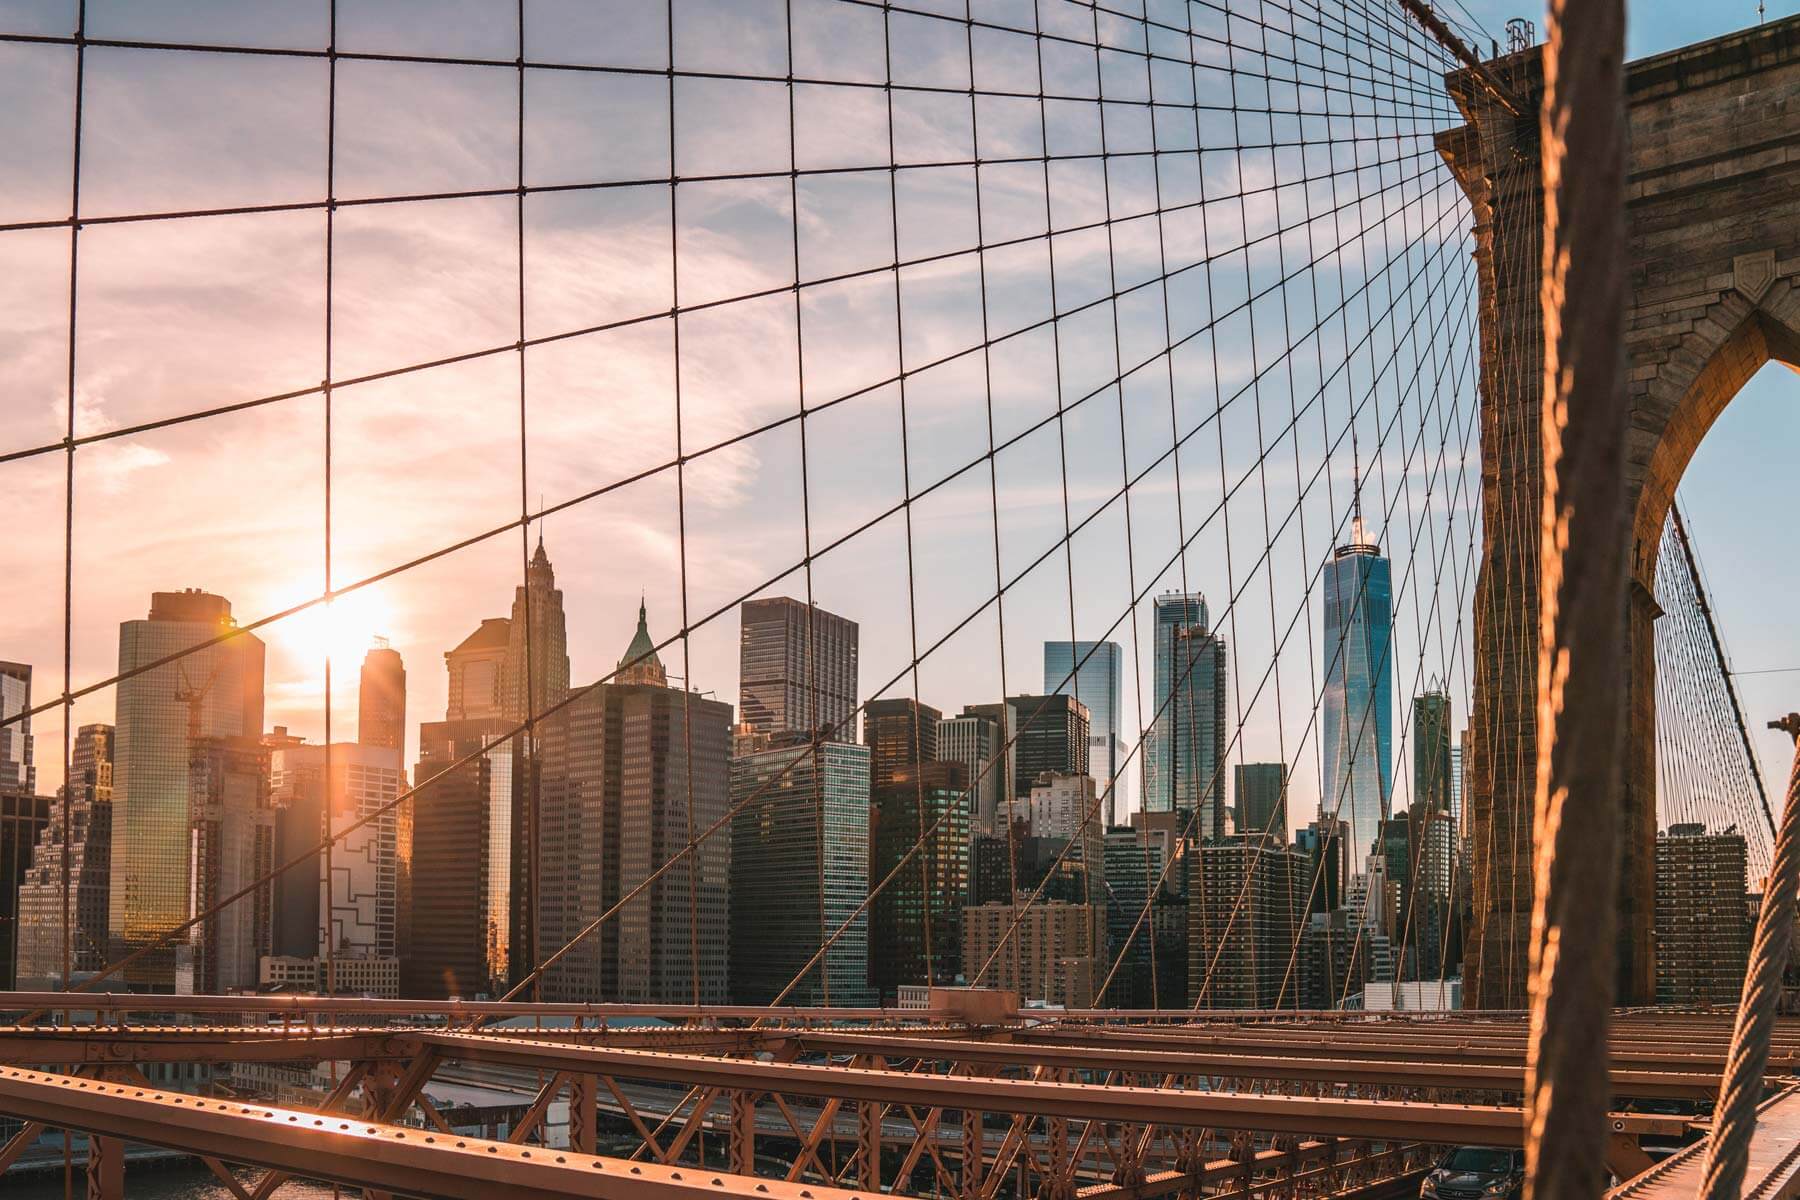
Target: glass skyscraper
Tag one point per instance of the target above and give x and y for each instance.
(1094, 682)
(1186, 751)
(1357, 715)
(162, 715)
(796, 668)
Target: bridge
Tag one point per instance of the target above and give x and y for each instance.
(1378, 348)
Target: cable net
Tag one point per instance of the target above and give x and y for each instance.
(984, 325)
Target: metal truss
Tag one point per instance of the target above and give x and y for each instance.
(797, 1104)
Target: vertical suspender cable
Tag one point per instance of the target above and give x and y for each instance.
(1581, 596)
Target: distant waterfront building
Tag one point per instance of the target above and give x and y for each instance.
(1091, 671)
(536, 674)
(457, 908)
(1061, 801)
(41, 918)
(1702, 925)
(974, 741)
(18, 772)
(901, 734)
(1246, 908)
(381, 699)
(1048, 955)
(1185, 753)
(477, 669)
(915, 925)
(1433, 762)
(1357, 707)
(216, 692)
(232, 838)
(796, 668)
(1260, 791)
(805, 813)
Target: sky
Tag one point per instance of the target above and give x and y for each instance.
(181, 315)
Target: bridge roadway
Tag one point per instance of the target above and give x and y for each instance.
(1773, 1171)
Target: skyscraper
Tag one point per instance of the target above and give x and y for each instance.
(1260, 790)
(1703, 928)
(1090, 672)
(1184, 761)
(974, 741)
(1051, 735)
(162, 715)
(1246, 907)
(537, 643)
(232, 845)
(458, 905)
(17, 770)
(796, 668)
(381, 707)
(915, 923)
(623, 767)
(901, 734)
(23, 817)
(1433, 763)
(355, 906)
(477, 670)
(41, 918)
(799, 871)
(1357, 711)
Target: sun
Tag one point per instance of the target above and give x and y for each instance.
(340, 630)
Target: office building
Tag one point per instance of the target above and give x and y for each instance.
(1091, 672)
(901, 735)
(381, 699)
(18, 771)
(536, 672)
(1246, 909)
(1433, 762)
(1356, 717)
(1702, 925)
(1003, 723)
(1260, 792)
(23, 818)
(42, 920)
(1134, 869)
(477, 669)
(347, 902)
(232, 838)
(796, 668)
(1045, 951)
(974, 741)
(457, 900)
(799, 873)
(1062, 805)
(624, 765)
(162, 713)
(915, 922)
(1184, 758)
(1051, 737)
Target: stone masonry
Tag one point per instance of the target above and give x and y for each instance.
(1713, 227)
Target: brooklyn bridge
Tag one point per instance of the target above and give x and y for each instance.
(1284, 358)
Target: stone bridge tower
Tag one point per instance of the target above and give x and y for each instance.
(1713, 228)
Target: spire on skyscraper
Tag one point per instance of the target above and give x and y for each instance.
(640, 664)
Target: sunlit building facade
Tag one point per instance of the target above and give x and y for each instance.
(381, 699)
(536, 674)
(215, 692)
